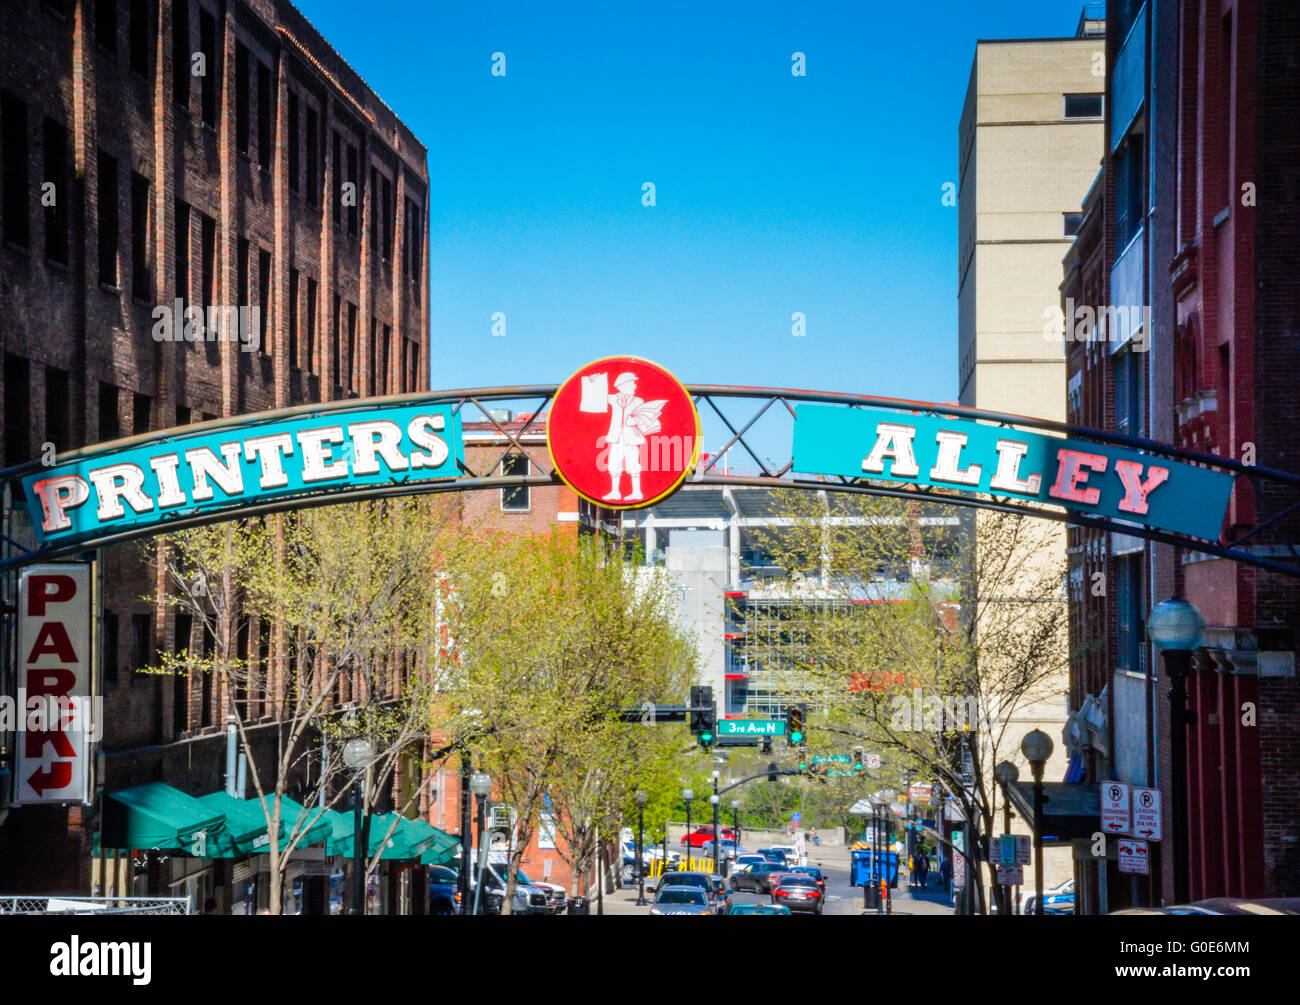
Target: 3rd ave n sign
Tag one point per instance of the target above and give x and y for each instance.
(363, 449)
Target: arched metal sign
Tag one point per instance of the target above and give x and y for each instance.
(409, 444)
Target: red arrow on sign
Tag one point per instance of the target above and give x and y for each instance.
(58, 776)
(1147, 831)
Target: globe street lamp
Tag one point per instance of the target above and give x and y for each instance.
(1037, 748)
(1175, 628)
(357, 755)
(687, 796)
(642, 797)
(480, 784)
(1006, 774)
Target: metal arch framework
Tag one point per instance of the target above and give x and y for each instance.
(1264, 544)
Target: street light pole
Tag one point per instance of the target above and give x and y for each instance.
(357, 755)
(687, 796)
(480, 784)
(1175, 628)
(641, 799)
(717, 838)
(1006, 773)
(1037, 748)
(735, 822)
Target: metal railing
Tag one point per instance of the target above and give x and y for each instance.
(94, 905)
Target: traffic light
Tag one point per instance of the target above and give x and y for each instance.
(858, 764)
(795, 733)
(803, 758)
(703, 716)
(771, 771)
(765, 745)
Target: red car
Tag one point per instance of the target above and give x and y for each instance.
(797, 892)
(704, 835)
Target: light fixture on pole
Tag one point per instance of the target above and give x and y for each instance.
(687, 796)
(717, 837)
(1175, 627)
(735, 823)
(480, 784)
(357, 755)
(1037, 748)
(1006, 774)
(642, 797)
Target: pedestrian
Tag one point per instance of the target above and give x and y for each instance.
(816, 840)
(922, 869)
(945, 873)
(210, 906)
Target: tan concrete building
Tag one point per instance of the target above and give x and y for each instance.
(1030, 144)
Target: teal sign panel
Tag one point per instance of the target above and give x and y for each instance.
(968, 456)
(751, 727)
(243, 464)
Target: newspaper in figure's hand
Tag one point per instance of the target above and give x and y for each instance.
(595, 393)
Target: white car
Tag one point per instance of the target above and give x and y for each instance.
(1029, 895)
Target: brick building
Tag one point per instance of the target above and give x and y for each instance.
(162, 155)
(1196, 217)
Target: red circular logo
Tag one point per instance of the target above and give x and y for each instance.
(623, 432)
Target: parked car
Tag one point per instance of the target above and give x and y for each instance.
(758, 877)
(556, 896)
(700, 835)
(681, 900)
(702, 880)
(777, 855)
(444, 890)
(814, 872)
(629, 859)
(728, 850)
(527, 899)
(721, 895)
(1055, 899)
(759, 909)
(797, 892)
(1225, 905)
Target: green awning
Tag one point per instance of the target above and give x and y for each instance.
(155, 815)
(293, 816)
(245, 833)
(445, 852)
(411, 839)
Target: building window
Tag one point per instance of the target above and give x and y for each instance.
(141, 410)
(208, 239)
(180, 694)
(1070, 223)
(141, 281)
(385, 360)
(56, 172)
(56, 408)
(181, 66)
(354, 368)
(107, 230)
(264, 299)
(387, 211)
(292, 141)
(182, 254)
(18, 413)
(141, 36)
(184, 415)
(1128, 393)
(106, 24)
(211, 67)
(13, 138)
(312, 167)
(241, 273)
(311, 325)
(293, 317)
(109, 652)
(515, 499)
(352, 208)
(336, 335)
(141, 641)
(372, 357)
(263, 114)
(1128, 614)
(1083, 106)
(241, 98)
(1129, 191)
(414, 241)
(338, 177)
(110, 427)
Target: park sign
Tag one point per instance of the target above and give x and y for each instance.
(751, 727)
(1091, 478)
(237, 463)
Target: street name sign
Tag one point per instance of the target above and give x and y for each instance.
(1134, 857)
(831, 759)
(963, 455)
(1115, 816)
(1146, 814)
(753, 727)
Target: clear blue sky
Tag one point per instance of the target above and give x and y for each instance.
(775, 193)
